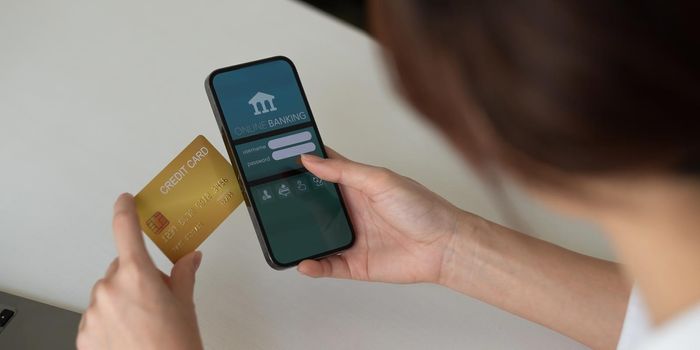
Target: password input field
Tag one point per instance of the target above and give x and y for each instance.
(293, 151)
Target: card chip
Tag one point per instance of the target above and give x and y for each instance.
(157, 223)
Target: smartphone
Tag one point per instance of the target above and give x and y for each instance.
(266, 122)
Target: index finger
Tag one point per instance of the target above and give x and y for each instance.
(127, 232)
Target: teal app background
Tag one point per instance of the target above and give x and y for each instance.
(235, 89)
(301, 215)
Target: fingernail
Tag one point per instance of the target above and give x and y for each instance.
(197, 260)
(122, 200)
(311, 158)
(125, 195)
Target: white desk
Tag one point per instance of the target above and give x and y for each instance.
(97, 96)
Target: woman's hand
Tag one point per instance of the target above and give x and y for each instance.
(405, 233)
(135, 306)
(403, 229)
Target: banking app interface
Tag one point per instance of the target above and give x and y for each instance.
(270, 127)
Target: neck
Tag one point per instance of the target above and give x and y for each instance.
(658, 240)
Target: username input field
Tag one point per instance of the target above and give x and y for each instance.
(289, 140)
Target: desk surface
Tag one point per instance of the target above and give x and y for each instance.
(96, 97)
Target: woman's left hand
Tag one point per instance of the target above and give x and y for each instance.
(136, 306)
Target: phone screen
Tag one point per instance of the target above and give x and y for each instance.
(268, 124)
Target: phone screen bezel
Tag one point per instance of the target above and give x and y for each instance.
(244, 184)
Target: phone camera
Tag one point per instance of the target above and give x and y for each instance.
(5, 316)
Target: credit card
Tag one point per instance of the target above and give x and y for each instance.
(188, 199)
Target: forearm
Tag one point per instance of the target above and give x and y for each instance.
(579, 296)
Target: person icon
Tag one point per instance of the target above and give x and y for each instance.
(266, 195)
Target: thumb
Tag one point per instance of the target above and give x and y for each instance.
(182, 276)
(362, 177)
(127, 232)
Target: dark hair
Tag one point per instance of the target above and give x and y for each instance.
(553, 86)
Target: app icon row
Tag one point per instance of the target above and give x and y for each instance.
(286, 188)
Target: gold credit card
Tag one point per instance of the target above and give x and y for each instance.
(188, 199)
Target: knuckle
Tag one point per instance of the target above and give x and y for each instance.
(98, 290)
(134, 275)
(130, 261)
(102, 289)
(142, 281)
(130, 267)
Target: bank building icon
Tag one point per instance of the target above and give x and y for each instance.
(262, 103)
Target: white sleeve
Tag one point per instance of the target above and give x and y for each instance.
(680, 333)
(636, 326)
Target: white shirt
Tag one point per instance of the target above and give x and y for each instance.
(680, 333)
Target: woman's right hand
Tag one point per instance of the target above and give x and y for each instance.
(407, 234)
(403, 230)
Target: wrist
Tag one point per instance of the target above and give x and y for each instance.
(460, 258)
